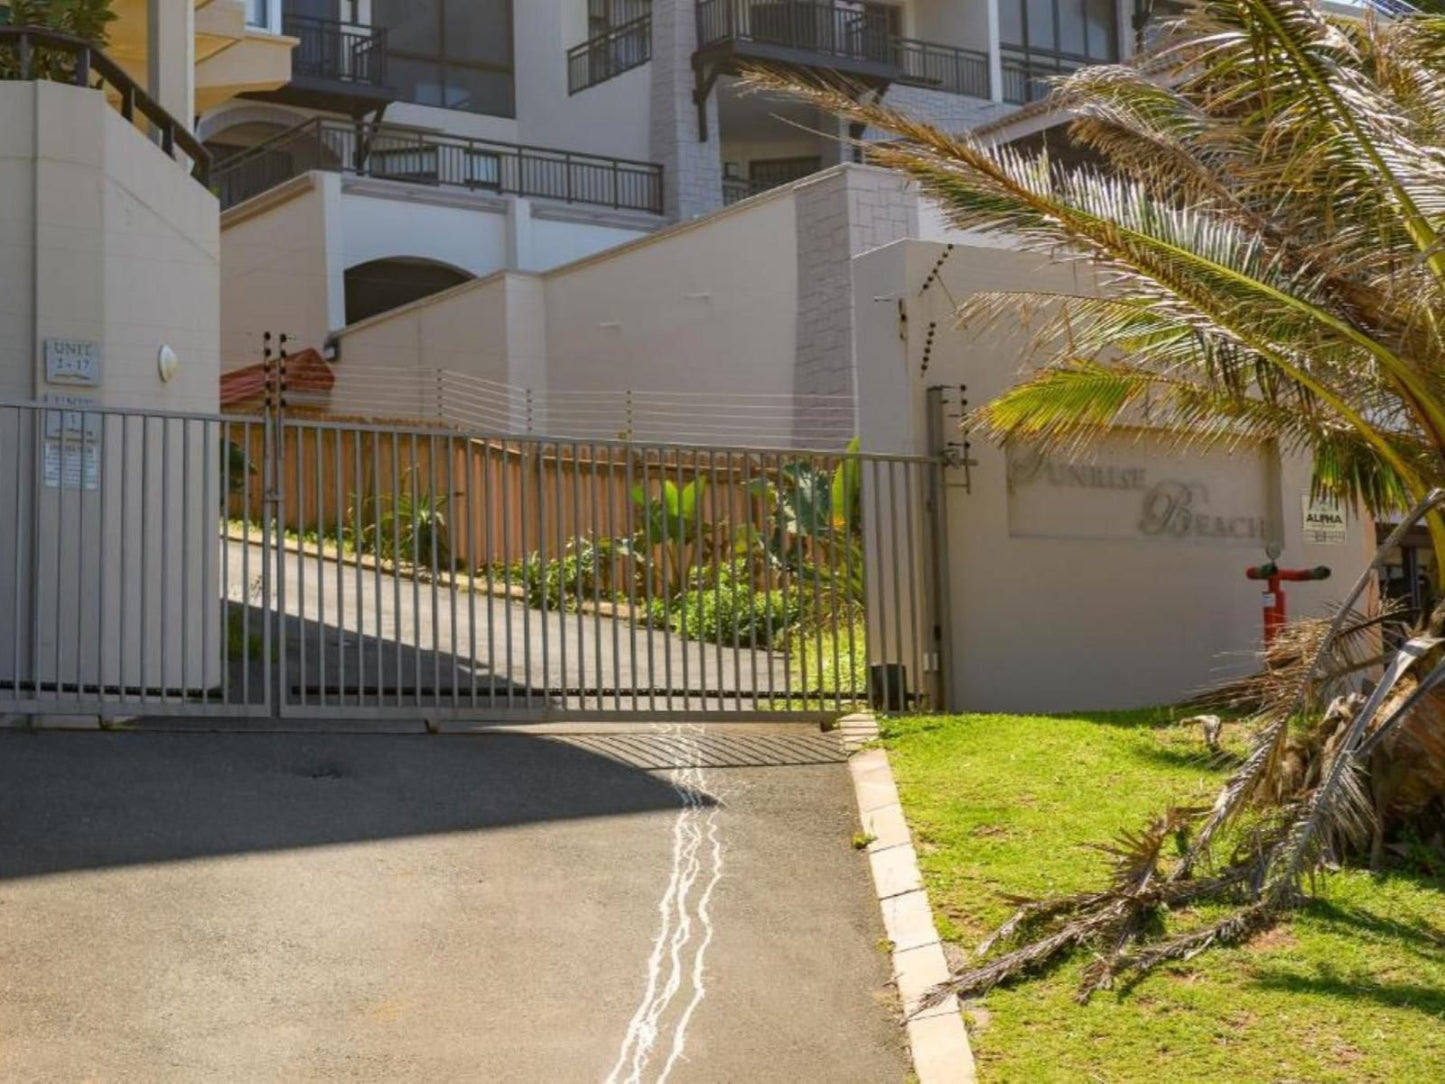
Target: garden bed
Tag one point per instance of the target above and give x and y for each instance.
(1351, 989)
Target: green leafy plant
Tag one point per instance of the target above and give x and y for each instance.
(85, 19)
(728, 609)
(405, 528)
(671, 524)
(1258, 221)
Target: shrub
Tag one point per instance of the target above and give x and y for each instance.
(729, 609)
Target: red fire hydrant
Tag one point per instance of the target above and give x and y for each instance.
(1274, 610)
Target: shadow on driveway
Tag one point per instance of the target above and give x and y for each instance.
(77, 801)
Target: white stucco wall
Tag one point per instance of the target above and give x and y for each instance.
(1058, 598)
(285, 253)
(103, 238)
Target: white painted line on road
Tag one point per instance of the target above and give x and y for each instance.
(696, 841)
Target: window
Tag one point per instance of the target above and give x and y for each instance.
(451, 53)
(1079, 29)
(264, 15)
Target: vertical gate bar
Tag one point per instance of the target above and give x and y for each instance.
(910, 472)
(616, 624)
(488, 521)
(837, 474)
(185, 628)
(377, 544)
(561, 572)
(394, 438)
(704, 545)
(666, 525)
(597, 584)
(143, 580)
(273, 483)
(507, 572)
(719, 671)
(811, 551)
(897, 588)
(685, 569)
(852, 617)
(165, 563)
(733, 597)
(631, 511)
(939, 585)
(320, 531)
(59, 556)
(467, 453)
(100, 480)
(523, 458)
(875, 606)
(209, 545)
(121, 607)
(747, 574)
(266, 454)
(434, 558)
(757, 548)
(37, 436)
(453, 582)
(539, 459)
(338, 445)
(358, 573)
(414, 505)
(648, 574)
(303, 643)
(80, 563)
(225, 624)
(577, 555)
(784, 580)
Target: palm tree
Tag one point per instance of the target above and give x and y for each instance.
(1265, 221)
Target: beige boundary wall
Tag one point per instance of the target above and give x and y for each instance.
(105, 240)
(1113, 582)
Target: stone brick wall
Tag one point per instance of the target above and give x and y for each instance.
(842, 213)
(692, 169)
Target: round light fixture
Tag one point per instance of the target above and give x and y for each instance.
(167, 363)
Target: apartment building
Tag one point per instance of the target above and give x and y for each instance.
(420, 144)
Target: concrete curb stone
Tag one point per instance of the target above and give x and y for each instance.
(936, 1036)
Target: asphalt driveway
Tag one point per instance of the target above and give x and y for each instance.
(648, 904)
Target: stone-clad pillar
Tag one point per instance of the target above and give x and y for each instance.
(171, 56)
(692, 177)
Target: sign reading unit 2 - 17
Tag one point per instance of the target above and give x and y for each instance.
(72, 361)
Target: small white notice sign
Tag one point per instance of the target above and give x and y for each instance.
(72, 361)
(1324, 520)
(69, 464)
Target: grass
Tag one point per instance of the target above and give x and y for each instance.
(1351, 989)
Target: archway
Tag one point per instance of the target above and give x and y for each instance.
(382, 285)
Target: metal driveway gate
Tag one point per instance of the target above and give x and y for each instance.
(213, 565)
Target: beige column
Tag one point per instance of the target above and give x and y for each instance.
(171, 56)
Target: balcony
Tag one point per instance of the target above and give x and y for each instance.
(610, 54)
(336, 66)
(1026, 72)
(394, 152)
(857, 40)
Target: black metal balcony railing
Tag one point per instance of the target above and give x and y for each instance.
(406, 154)
(1027, 72)
(859, 33)
(619, 50)
(838, 34)
(33, 52)
(343, 52)
(942, 67)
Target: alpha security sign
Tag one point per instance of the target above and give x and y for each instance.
(1324, 520)
(1122, 492)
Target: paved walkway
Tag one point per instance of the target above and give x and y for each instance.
(208, 907)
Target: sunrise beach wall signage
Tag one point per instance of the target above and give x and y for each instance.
(1124, 491)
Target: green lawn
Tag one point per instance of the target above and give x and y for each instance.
(1352, 989)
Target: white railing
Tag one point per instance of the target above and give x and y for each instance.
(823, 422)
